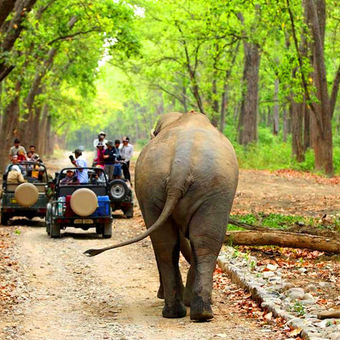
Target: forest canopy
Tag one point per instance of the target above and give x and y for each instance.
(265, 72)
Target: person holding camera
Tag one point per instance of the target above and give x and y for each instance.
(79, 162)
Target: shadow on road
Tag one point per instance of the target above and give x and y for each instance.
(26, 222)
(81, 236)
(119, 217)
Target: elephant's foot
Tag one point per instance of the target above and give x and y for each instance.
(187, 296)
(176, 310)
(160, 293)
(200, 310)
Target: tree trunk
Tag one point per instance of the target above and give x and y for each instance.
(215, 106)
(306, 129)
(283, 239)
(296, 116)
(8, 127)
(41, 144)
(315, 11)
(285, 124)
(224, 106)
(36, 132)
(225, 92)
(276, 117)
(49, 136)
(247, 126)
(6, 7)
(184, 96)
(13, 30)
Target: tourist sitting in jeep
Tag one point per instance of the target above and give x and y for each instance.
(70, 178)
(15, 176)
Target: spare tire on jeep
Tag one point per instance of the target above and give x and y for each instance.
(84, 202)
(26, 194)
(118, 190)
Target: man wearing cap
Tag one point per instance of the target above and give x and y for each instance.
(101, 138)
(69, 178)
(126, 153)
(110, 157)
(16, 148)
(79, 163)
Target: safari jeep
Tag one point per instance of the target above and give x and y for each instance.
(26, 199)
(80, 205)
(121, 197)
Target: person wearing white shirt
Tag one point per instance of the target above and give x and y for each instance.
(80, 163)
(126, 153)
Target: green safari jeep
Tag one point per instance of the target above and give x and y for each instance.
(26, 199)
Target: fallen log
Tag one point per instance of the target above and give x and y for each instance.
(283, 239)
(329, 314)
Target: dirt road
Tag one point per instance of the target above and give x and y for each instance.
(65, 295)
(61, 294)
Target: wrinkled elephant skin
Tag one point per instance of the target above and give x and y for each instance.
(185, 181)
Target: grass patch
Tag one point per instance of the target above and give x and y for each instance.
(278, 221)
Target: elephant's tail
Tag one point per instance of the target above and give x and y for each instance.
(169, 207)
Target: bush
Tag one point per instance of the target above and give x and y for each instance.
(265, 136)
(271, 153)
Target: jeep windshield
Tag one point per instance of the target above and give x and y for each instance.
(69, 176)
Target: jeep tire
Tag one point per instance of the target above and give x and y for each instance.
(99, 229)
(4, 218)
(118, 190)
(107, 230)
(128, 212)
(54, 229)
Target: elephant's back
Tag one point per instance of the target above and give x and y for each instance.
(191, 148)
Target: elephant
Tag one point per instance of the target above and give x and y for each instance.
(185, 183)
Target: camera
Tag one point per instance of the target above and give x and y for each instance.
(71, 158)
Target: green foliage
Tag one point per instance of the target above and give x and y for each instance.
(271, 220)
(272, 153)
(298, 308)
(123, 63)
(62, 47)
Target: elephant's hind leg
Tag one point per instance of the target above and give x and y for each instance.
(166, 246)
(206, 233)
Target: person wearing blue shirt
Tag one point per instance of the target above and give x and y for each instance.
(79, 163)
(110, 159)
